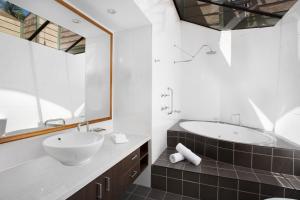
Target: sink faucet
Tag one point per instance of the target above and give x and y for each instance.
(233, 117)
(82, 124)
(88, 127)
(48, 122)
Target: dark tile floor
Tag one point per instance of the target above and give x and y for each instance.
(137, 192)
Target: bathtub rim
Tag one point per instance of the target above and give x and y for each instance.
(281, 142)
(260, 131)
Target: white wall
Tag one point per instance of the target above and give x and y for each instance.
(55, 97)
(17, 82)
(249, 78)
(165, 33)
(132, 84)
(244, 70)
(132, 80)
(288, 94)
(97, 61)
(255, 73)
(262, 80)
(29, 93)
(200, 84)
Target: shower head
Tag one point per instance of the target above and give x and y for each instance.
(211, 52)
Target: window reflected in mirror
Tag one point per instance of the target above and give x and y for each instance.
(21, 23)
(51, 74)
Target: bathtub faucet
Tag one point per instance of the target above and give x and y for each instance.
(236, 119)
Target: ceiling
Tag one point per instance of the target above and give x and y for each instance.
(128, 14)
(54, 12)
(233, 14)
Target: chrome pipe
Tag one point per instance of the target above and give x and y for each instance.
(171, 98)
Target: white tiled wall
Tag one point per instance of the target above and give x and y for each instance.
(255, 73)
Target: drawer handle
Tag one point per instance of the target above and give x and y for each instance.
(134, 157)
(107, 182)
(99, 189)
(134, 174)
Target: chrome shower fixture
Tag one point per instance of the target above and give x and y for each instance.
(209, 52)
(170, 106)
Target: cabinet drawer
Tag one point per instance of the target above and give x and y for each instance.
(130, 161)
(129, 177)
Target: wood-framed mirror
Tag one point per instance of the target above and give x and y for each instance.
(55, 68)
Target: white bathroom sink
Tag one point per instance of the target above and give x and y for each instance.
(73, 148)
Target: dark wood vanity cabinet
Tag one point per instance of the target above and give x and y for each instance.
(79, 195)
(100, 188)
(114, 182)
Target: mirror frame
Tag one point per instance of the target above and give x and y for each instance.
(70, 126)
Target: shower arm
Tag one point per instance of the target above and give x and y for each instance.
(192, 56)
(182, 61)
(205, 45)
(185, 52)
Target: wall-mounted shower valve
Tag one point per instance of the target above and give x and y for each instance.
(164, 108)
(164, 95)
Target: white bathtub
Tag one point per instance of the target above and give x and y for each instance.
(228, 132)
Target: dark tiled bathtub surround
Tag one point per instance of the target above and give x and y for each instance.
(274, 159)
(215, 180)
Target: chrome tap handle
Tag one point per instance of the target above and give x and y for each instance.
(97, 130)
(78, 127)
(87, 126)
(164, 108)
(164, 95)
(48, 122)
(82, 124)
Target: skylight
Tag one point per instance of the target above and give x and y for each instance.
(233, 14)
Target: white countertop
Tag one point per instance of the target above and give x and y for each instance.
(47, 179)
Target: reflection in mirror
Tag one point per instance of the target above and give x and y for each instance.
(55, 70)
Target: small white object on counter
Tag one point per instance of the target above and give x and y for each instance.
(119, 138)
(188, 154)
(176, 157)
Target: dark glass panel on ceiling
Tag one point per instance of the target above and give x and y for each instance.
(220, 17)
(276, 7)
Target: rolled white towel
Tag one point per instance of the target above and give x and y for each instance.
(176, 157)
(188, 154)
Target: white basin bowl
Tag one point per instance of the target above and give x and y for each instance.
(73, 148)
